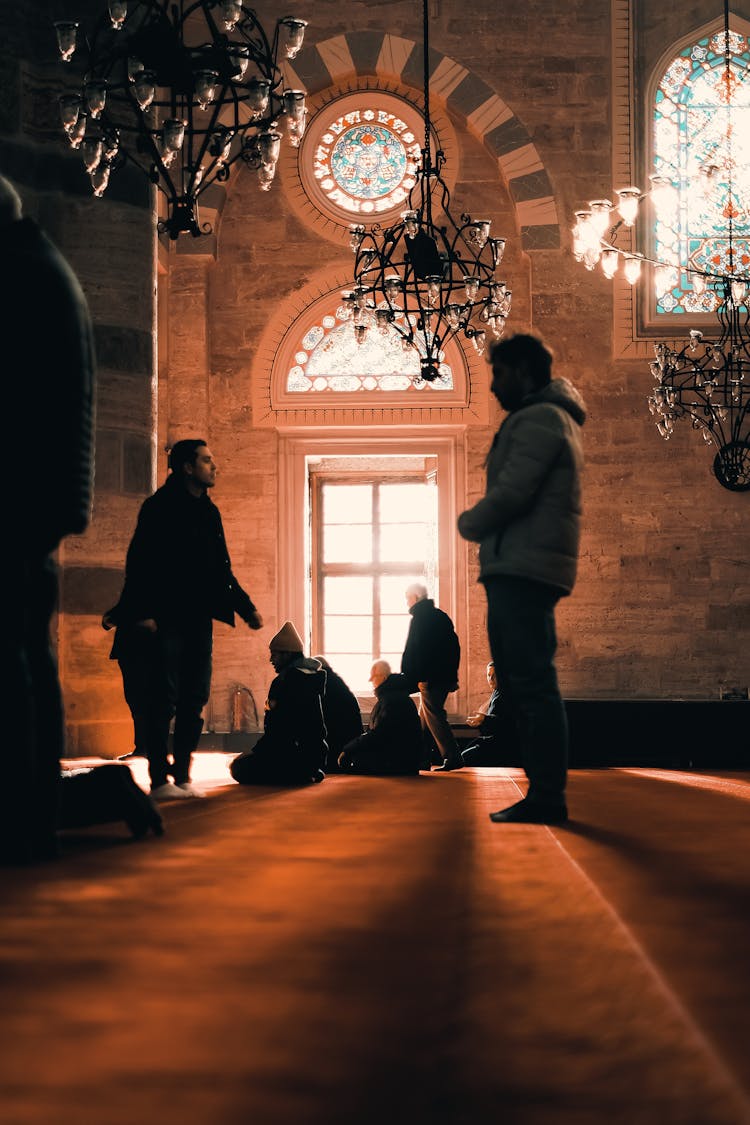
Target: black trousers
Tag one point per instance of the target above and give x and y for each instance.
(523, 642)
(33, 735)
(179, 690)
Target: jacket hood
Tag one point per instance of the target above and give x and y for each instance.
(307, 664)
(562, 393)
(422, 605)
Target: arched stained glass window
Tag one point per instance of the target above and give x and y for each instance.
(329, 358)
(701, 142)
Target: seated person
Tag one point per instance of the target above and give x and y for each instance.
(341, 713)
(497, 740)
(292, 749)
(392, 743)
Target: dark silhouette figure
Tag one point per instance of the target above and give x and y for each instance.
(528, 525)
(178, 579)
(430, 664)
(392, 743)
(341, 712)
(48, 388)
(497, 741)
(292, 749)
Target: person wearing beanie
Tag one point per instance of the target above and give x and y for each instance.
(292, 749)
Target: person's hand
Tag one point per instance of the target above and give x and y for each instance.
(107, 622)
(255, 621)
(148, 624)
(422, 685)
(474, 720)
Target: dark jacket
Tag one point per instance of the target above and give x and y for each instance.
(342, 715)
(48, 387)
(528, 522)
(294, 729)
(392, 742)
(432, 652)
(178, 564)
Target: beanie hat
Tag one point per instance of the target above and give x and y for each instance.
(286, 640)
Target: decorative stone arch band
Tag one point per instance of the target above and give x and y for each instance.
(487, 116)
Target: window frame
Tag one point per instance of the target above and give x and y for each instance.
(376, 568)
(299, 446)
(655, 324)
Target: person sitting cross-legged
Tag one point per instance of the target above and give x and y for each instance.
(292, 749)
(496, 743)
(392, 743)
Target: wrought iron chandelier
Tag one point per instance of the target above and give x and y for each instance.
(182, 89)
(429, 282)
(707, 380)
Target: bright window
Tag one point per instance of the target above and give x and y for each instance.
(703, 147)
(374, 533)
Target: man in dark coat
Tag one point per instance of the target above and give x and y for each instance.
(49, 405)
(341, 712)
(430, 664)
(178, 579)
(292, 749)
(528, 527)
(392, 743)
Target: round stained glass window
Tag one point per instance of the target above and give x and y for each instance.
(369, 161)
(360, 155)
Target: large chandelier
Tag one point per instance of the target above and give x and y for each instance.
(429, 282)
(182, 89)
(706, 380)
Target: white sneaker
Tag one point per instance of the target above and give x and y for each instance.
(169, 792)
(187, 789)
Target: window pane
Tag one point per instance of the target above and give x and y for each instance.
(400, 542)
(353, 633)
(347, 544)
(353, 667)
(402, 503)
(347, 503)
(393, 591)
(347, 595)
(394, 659)
(393, 632)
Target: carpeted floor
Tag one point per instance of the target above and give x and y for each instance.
(376, 951)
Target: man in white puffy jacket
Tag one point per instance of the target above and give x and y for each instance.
(527, 525)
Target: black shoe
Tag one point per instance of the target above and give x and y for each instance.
(450, 764)
(530, 812)
(317, 777)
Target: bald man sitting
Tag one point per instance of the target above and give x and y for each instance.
(392, 743)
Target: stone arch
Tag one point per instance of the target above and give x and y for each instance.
(486, 115)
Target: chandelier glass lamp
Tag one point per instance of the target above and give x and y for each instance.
(182, 89)
(700, 197)
(429, 282)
